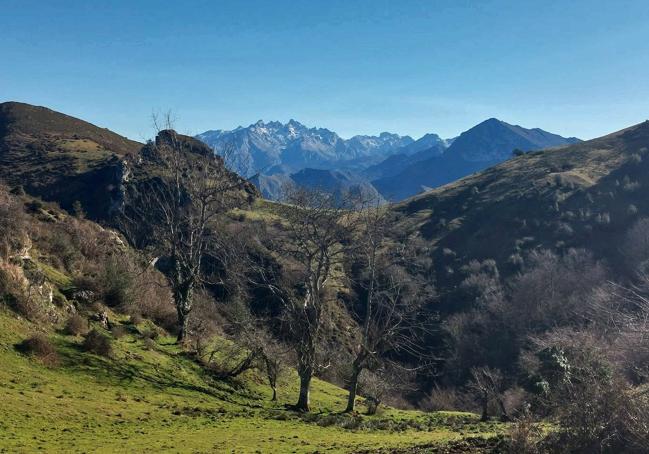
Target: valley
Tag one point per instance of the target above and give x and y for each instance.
(464, 265)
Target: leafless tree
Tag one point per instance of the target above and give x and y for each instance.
(488, 384)
(176, 211)
(311, 244)
(262, 350)
(275, 363)
(374, 386)
(392, 317)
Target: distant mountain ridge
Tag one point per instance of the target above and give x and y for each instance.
(494, 140)
(396, 166)
(488, 143)
(294, 146)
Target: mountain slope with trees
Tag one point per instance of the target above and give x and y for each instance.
(519, 292)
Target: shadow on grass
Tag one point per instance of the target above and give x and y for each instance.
(122, 371)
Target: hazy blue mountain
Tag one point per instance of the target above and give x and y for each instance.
(494, 140)
(335, 181)
(397, 166)
(339, 182)
(430, 145)
(272, 187)
(486, 144)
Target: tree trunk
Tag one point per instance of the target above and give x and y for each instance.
(353, 386)
(373, 406)
(504, 416)
(303, 402)
(485, 407)
(182, 327)
(182, 294)
(272, 371)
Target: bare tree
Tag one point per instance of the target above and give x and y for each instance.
(262, 351)
(392, 317)
(310, 244)
(175, 212)
(635, 247)
(374, 386)
(488, 384)
(274, 357)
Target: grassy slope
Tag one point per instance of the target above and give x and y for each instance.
(160, 401)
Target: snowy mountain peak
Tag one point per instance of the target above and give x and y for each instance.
(295, 146)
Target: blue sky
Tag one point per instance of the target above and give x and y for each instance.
(357, 67)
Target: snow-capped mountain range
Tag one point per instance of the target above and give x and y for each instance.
(277, 154)
(261, 146)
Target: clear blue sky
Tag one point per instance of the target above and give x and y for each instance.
(571, 67)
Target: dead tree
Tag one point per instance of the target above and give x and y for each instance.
(176, 209)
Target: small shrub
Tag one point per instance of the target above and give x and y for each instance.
(136, 319)
(524, 436)
(149, 334)
(516, 260)
(448, 252)
(441, 399)
(328, 420)
(631, 186)
(34, 206)
(149, 344)
(353, 423)
(40, 347)
(76, 325)
(153, 300)
(117, 284)
(13, 293)
(603, 218)
(118, 331)
(98, 343)
(59, 299)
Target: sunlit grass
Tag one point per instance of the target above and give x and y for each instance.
(159, 399)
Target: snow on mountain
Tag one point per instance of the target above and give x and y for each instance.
(260, 146)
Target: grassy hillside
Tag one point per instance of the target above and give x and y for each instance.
(71, 134)
(156, 399)
(149, 394)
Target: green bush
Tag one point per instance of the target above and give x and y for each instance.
(117, 284)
